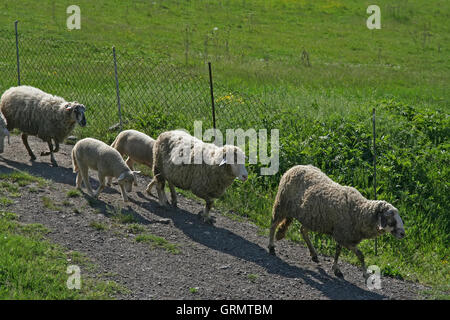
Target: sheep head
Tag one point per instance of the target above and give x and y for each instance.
(77, 112)
(235, 159)
(389, 220)
(126, 179)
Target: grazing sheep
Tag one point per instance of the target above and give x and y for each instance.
(190, 164)
(324, 206)
(94, 154)
(37, 113)
(137, 146)
(3, 132)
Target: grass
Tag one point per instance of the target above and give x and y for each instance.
(98, 226)
(32, 268)
(323, 111)
(73, 193)
(49, 203)
(158, 242)
(252, 277)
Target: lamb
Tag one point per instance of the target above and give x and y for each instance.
(94, 154)
(3, 132)
(137, 146)
(190, 164)
(324, 206)
(35, 112)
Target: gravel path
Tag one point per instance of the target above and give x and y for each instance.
(226, 261)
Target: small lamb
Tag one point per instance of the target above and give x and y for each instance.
(324, 206)
(94, 154)
(137, 146)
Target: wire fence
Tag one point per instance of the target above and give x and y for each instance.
(155, 95)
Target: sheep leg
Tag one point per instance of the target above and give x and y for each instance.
(101, 179)
(273, 227)
(124, 193)
(173, 195)
(79, 180)
(335, 267)
(161, 194)
(85, 175)
(360, 256)
(312, 251)
(205, 215)
(25, 142)
(150, 186)
(52, 157)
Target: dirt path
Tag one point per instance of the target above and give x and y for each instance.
(226, 261)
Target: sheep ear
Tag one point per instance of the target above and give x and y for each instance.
(69, 107)
(224, 161)
(382, 221)
(121, 177)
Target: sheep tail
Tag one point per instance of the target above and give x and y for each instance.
(74, 161)
(283, 227)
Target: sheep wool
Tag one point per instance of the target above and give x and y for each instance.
(207, 180)
(35, 112)
(137, 146)
(324, 206)
(94, 154)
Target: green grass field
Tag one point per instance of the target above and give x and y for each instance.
(323, 111)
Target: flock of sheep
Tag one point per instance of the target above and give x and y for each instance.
(304, 193)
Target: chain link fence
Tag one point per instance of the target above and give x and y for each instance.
(155, 95)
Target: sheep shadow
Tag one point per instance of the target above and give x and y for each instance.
(230, 243)
(45, 170)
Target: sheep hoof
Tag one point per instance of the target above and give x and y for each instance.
(315, 259)
(174, 205)
(32, 158)
(338, 273)
(272, 251)
(54, 164)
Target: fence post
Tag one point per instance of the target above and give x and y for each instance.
(374, 170)
(212, 97)
(17, 52)
(117, 88)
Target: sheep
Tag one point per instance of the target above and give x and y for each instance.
(324, 206)
(190, 164)
(3, 132)
(94, 154)
(37, 113)
(137, 146)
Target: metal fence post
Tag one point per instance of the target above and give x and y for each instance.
(212, 96)
(374, 170)
(117, 88)
(17, 52)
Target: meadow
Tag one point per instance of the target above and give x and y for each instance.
(311, 69)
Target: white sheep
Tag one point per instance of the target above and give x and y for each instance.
(324, 206)
(35, 112)
(137, 146)
(190, 164)
(3, 132)
(94, 154)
